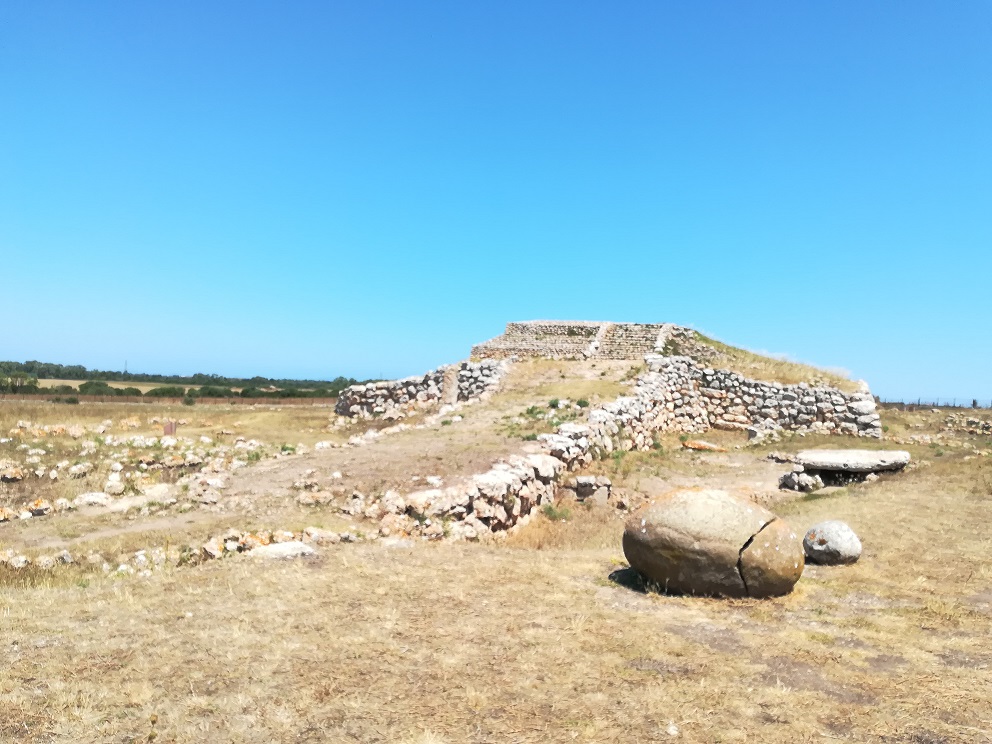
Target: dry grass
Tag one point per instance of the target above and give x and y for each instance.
(544, 638)
(759, 367)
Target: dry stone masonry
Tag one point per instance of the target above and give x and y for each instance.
(581, 339)
(675, 395)
(397, 398)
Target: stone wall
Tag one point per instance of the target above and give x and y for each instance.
(567, 339)
(583, 339)
(677, 395)
(397, 398)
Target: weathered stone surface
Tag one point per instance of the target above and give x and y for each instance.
(798, 480)
(317, 536)
(699, 444)
(285, 550)
(92, 499)
(696, 542)
(853, 460)
(773, 562)
(831, 543)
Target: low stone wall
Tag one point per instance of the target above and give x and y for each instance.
(397, 398)
(676, 395)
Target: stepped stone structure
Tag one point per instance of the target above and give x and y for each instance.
(579, 339)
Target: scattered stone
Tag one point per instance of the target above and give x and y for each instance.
(799, 480)
(308, 482)
(780, 457)
(314, 498)
(831, 543)
(64, 557)
(96, 498)
(80, 469)
(40, 508)
(213, 548)
(285, 550)
(10, 473)
(699, 444)
(318, 536)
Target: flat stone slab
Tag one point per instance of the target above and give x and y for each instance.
(852, 460)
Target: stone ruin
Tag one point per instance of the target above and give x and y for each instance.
(675, 394)
(583, 339)
(390, 399)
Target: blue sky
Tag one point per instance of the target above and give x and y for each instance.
(366, 188)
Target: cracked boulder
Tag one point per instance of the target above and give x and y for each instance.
(708, 542)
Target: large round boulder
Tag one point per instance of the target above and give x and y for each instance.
(831, 543)
(709, 542)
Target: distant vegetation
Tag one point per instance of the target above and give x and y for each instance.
(23, 377)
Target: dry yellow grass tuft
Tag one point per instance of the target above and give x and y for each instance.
(760, 367)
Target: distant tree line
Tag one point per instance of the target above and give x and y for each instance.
(22, 378)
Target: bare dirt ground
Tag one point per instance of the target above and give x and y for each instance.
(544, 637)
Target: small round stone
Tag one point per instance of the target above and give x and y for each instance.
(831, 543)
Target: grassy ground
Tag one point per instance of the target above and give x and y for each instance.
(759, 367)
(544, 638)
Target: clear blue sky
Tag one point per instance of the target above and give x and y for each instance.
(365, 188)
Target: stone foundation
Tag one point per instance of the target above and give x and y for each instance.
(397, 398)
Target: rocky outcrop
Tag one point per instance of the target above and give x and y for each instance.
(831, 543)
(398, 398)
(712, 543)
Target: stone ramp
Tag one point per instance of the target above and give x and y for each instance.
(631, 340)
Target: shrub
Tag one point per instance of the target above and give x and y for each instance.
(582, 403)
(211, 391)
(96, 387)
(446, 422)
(189, 400)
(554, 403)
(556, 514)
(167, 391)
